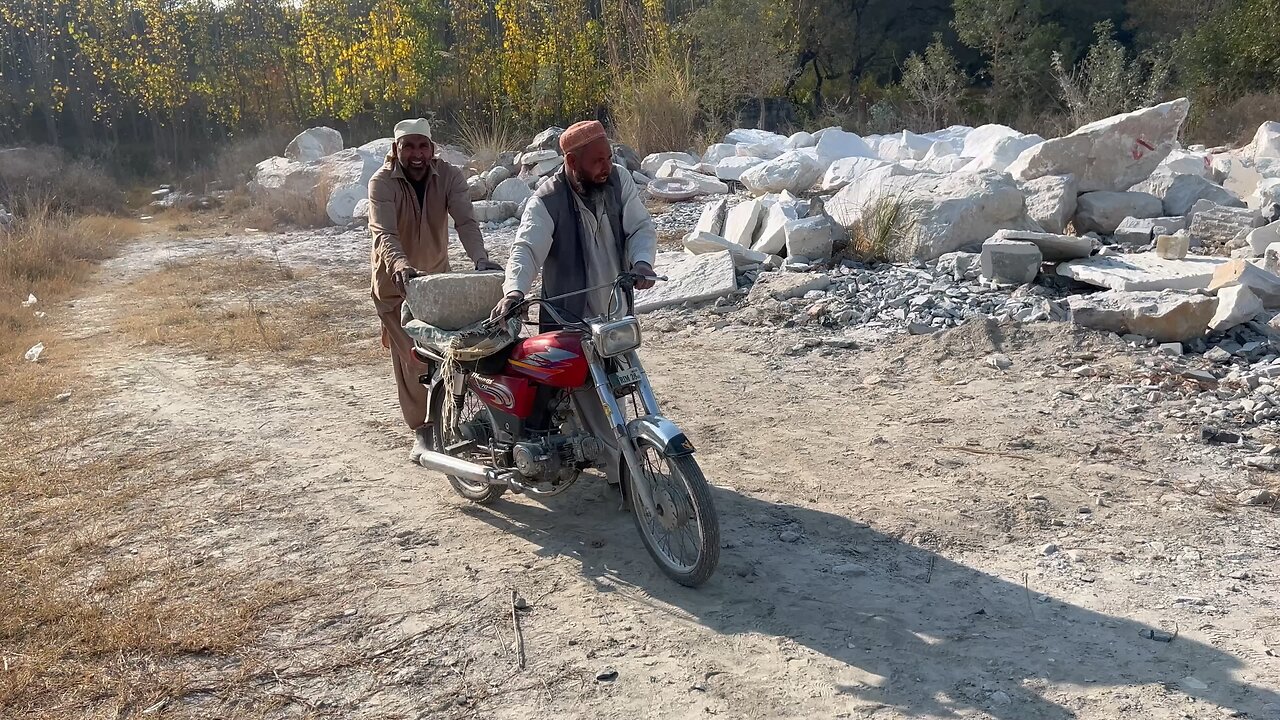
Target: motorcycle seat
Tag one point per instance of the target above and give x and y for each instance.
(488, 365)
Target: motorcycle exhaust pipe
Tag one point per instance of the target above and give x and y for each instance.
(469, 471)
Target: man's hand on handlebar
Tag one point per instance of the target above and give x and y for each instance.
(506, 306)
(644, 270)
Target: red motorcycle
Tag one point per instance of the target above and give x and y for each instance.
(522, 419)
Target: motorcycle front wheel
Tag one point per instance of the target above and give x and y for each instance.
(683, 533)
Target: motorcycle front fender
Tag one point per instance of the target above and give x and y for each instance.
(663, 434)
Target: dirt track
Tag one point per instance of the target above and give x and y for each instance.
(918, 588)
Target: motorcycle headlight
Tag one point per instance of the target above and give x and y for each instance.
(616, 337)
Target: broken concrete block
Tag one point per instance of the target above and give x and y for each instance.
(1051, 201)
(511, 190)
(1265, 285)
(999, 154)
(784, 286)
(1186, 190)
(810, 237)
(795, 171)
(493, 211)
(1266, 142)
(452, 301)
(1172, 247)
(836, 143)
(1215, 226)
(946, 212)
(801, 140)
(846, 170)
(742, 221)
(311, 145)
(701, 243)
(1010, 261)
(773, 237)
(1103, 212)
(717, 152)
(1054, 248)
(713, 217)
(1110, 154)
(1164, 316)
(1139, 231)
(1260, 239)
(690, 278)
(1267, 193)
(1271, 258)
(1236, 304)
(961, 265)
(733, 168)
(653, 163)
(1143, 271)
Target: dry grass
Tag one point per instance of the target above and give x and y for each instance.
(282, 210)
(1232, 123)
(36, 178)
(107, 610)
(232, 165)
(657, 108)
(485, 141)
(250, 308)
(50, 251)
(47, 254)
(883, 231)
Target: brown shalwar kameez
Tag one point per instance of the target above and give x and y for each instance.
(409, 234)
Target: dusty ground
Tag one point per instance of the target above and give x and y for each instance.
(924, 485)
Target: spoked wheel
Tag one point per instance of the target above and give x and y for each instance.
(475, 423)
(683, 532)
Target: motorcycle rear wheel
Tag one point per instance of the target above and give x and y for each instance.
(683, 503)
(471, 408)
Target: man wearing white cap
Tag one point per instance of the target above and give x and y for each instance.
(410, 200)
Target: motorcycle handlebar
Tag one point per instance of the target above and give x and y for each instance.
(627, 280)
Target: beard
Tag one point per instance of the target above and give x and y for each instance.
(590, 186)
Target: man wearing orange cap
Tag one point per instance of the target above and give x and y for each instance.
(410, 199)
(582, 227)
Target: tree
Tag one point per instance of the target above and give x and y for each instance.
(1236, 52)
(1015, 38)
(843, 43)
(1154, 22)
(743, 49)
(934, 84)
(1108, 81)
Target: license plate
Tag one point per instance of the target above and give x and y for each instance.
(630, 376)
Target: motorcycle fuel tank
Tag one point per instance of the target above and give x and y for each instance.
(553, 359)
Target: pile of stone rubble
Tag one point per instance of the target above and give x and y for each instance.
(1182, 242)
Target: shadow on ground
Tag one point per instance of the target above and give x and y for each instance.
(941, 636)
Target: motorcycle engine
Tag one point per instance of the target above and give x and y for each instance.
(543, 460)
(555, 459)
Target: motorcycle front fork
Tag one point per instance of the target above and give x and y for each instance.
(617, 418)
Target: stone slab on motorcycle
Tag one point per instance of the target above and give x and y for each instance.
(517, 413)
